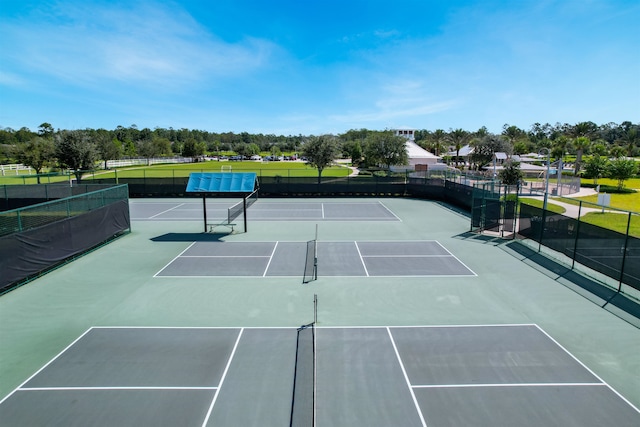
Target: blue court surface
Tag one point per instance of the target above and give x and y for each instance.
(436, 376)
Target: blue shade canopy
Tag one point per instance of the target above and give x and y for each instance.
(222, 182)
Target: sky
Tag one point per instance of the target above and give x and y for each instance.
(312, 67)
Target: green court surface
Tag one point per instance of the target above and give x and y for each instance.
(504, 335)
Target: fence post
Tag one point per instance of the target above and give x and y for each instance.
(544, 219)
(624, 253)
(473, 202)
(575, 241)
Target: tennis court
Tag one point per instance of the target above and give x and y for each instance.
(283, 259)
(262, 210)
(411, 376)
(418, 323)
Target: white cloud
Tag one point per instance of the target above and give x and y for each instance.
(404, 99)
(11, 79)
(386, 113)
(150, 44)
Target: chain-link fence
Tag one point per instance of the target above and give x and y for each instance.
(615, 254)
(493, 207)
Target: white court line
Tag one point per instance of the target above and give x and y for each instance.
(224, 375)
(361, 259)
(261, 209)
(270, 259)
(417, 276)
(585, 367)
(176, 257)
(397, 241)
(508, 385)
(256, 276)
(47, 364)
(322, 208)
(196, 327)
(465, 265)
(112, 388)
(166, 219)
(488, 325)
(390, 211)
(168, 210)
(406, 378)
(256, 217)
(408, 256)
(226, 256)
(164, 201)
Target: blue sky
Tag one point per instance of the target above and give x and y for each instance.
(313, 67)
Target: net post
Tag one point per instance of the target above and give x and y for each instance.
(315, 309)
(315, 260)
(315, 255)
(244, 212)
(204, 209)
(315, 365)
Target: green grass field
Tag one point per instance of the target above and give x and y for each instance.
(294, 169)
(614, 221)
(285, 169)
(540, 204)
(630, 183)
(32, 179)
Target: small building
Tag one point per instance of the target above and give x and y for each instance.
(499, 157)
(409, 134)
(464, 154)
(417, 156)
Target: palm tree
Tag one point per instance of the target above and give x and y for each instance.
(512, 134)
(631, 139)
(438, 138)
(458, 138)
(560, 147)
(587, 129)
(582, 144)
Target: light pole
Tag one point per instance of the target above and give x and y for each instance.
(546, 180)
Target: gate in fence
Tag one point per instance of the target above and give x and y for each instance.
(494, 208)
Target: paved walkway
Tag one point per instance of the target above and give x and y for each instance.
(573, 210)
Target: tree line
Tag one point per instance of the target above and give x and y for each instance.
(81, 149)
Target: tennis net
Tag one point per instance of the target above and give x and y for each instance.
(240, 207)
(311, 262)
(252, 198)
(235, 211)
(303, 399)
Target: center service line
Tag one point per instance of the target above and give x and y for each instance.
(224, 375)
(406, 378)
(361, 259)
